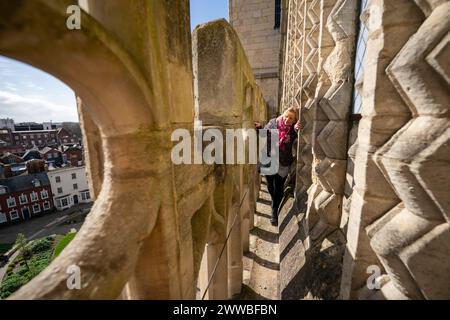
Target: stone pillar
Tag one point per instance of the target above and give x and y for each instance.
(139, 50)
(247, 210)
(333, 98)
(216, 254)
(93, 150)
(412, 239)
(398, 216)
(373, 195)
(235, 246)
(307, 78)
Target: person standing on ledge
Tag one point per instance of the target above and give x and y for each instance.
(287, 125)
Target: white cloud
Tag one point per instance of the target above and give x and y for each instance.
(31, 85)
(10, 86)
(34, 108)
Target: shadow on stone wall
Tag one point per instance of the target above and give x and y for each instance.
(308, 273)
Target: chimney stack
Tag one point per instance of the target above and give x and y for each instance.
(35, 166)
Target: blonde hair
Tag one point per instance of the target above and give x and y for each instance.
(293, 110)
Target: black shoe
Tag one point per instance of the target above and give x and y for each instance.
(274, 221)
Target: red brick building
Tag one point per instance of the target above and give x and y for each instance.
(28, 139)
(66, 137)
(18, 150)
(73, 155)
(24, 197)
(6, 136)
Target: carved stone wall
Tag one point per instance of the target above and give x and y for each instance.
(331, 118)
(399, 217)
(152, 222)
(327, 29)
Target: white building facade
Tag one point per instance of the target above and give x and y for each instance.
(69, 186)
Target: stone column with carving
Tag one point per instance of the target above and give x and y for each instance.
(399, 216)
(333, 98)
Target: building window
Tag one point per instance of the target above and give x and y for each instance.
(23, 199)
(85, 196)
(36, 208)
(61, 203)
(46, 205)
(11, 202)
(277, 14)
(49, 156)
(60, 190)
(75, 186)
(3, 218)
(14, 215)
(44, 194)
(74, 176)
(361, 47)
(58, 179)
(34, 197)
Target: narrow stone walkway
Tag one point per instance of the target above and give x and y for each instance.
(261, 264)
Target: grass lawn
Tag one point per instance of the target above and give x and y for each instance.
(63, 243)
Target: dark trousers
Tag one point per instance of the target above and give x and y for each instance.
(275, 185)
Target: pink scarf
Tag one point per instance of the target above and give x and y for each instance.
(283, 133)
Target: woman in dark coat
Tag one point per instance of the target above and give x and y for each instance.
(287, 125)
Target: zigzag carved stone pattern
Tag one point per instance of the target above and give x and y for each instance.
(333, 96)
(304, 154)
(293, 60)
(412, 240)
(383, 114)
(298, 71)
(400, 209)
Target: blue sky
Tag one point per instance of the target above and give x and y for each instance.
(28, 94)
(206, 10)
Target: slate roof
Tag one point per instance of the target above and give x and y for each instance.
(47, 149)
(22, 183)
(33, 153)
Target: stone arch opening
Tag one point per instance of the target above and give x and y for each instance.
(46, 188)
(117, 104)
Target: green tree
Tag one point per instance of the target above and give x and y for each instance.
(25, 251)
